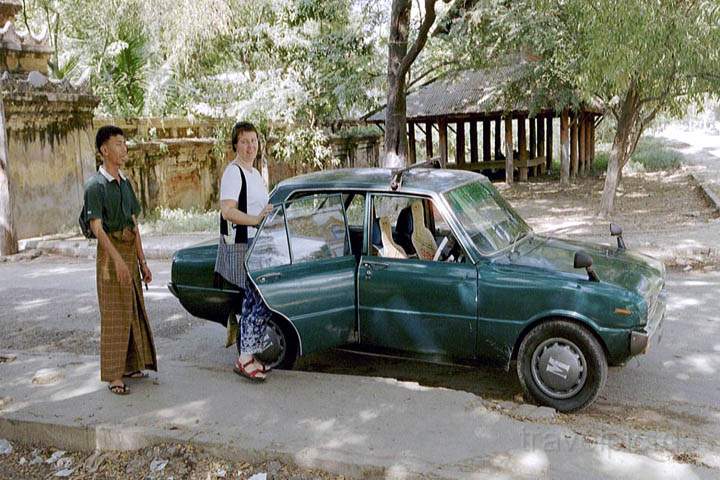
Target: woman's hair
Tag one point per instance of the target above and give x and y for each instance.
(241, 127)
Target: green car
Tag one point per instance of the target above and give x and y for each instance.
(434, 263)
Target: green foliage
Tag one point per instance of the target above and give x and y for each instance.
(169, 221)
(653, 155)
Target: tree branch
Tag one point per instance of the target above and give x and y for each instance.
(431, 70)
(421, 38)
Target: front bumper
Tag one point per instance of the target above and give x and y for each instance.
(652, 333)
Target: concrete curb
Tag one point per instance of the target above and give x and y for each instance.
(707, 190)
(107, 438)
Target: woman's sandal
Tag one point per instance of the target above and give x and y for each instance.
(136, 374)
(119, 389)
(256, 375)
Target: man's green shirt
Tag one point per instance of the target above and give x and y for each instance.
(111, 201)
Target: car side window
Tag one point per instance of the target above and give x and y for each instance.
(411, 227)
(316, 224)
(270, 247)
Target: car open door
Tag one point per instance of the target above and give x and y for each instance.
(302, 265)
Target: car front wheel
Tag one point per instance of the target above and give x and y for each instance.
(560, 364)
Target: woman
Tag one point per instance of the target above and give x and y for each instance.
(243, 205)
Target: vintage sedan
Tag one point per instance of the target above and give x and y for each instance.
(434, 263)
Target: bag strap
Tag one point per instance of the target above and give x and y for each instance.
(241, 231)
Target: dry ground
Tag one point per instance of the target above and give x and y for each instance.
(646, 204)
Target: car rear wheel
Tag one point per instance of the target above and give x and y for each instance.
(560, 364)
(280, 346)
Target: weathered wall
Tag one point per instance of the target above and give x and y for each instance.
(172, 162)
(50, 154)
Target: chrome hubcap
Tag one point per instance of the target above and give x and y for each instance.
(559, 368)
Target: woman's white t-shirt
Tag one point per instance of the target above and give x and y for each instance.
(257, 194)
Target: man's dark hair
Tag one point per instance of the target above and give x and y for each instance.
(104, 133)
(243, 127)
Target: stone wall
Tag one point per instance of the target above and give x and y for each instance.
(173, 164)
(50, 152)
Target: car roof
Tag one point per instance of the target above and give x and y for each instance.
(422, 180)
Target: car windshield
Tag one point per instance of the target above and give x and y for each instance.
(489, 220)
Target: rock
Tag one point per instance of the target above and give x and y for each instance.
(5, 447)
(534, 413)
(55, 456)
(46, 376)
(220, 473)
(7, 357)
(687, 268)
(37, 79)
(274, 468)
(94, 462)
(64, 463)
(134, 465)
(507, 405)
(259, 476)
(23, 461)
(64, 472)
(158, 465)
(5, 401)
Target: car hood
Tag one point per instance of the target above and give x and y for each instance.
(633, 271)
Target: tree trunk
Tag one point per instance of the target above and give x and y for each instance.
(395, 112)
(8, 241)
(620, 153)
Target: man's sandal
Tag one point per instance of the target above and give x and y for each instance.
(136, 374)
(119, 389)
(256, 374)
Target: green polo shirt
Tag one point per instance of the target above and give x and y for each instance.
(111, 201)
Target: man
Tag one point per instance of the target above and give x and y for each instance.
(126, 343)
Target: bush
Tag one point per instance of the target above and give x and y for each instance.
(168, 221)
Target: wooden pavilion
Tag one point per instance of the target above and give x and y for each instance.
(472, 98)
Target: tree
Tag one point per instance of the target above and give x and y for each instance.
(637, 58)
(400, 59)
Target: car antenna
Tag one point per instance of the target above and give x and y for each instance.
(398, 173)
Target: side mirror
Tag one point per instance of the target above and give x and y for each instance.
(583, 260)
(616, 231)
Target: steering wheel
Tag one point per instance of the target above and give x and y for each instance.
(443, 243)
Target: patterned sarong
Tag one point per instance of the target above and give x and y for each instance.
(126, 342)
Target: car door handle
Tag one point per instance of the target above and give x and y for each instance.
(268, 276)
(375, 265)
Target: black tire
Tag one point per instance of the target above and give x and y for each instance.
(543, 356)
(283, 351)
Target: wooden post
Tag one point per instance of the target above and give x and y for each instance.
(443, 143)
(428, 140)
(549, 142)
(498, 147)
(581, 144)
(522, 148)
(532, 146)
(473, 142)
(486, 140)
(460, 144)
(573, 145)
(588, 142)
(541, 141)
(564, 148)
(412, 156)
(508, 150)
(592, 140)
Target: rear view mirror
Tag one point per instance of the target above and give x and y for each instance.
(616, 231)
(583, 260)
